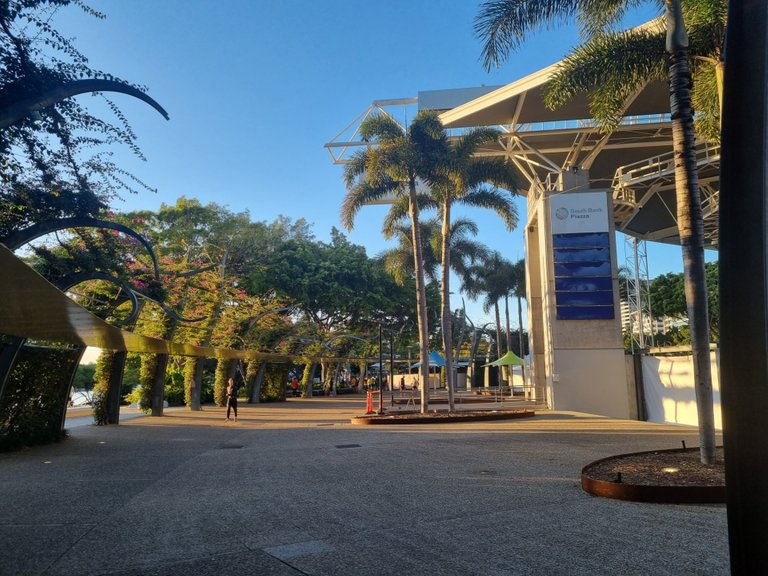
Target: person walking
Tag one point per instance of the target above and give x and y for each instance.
(231, 398)
(295, 386)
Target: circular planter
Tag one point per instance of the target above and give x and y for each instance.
(660, 493)
(441, 418)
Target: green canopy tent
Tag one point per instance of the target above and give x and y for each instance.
(510, 359)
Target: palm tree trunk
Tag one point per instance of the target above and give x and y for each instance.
(421, 296)
(720, 76)
(690, 224)
(520, 334)
(446, 294)
(509, 340)
(498, 337)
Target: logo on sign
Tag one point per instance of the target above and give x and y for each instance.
(562, 213)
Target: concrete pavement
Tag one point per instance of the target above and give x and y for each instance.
(293, 488)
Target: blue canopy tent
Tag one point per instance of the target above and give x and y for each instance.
(434, 360)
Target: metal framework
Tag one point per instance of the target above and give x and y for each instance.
(635, 160)
(348, 139)
(641, 321)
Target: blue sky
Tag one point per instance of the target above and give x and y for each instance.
(255, 88)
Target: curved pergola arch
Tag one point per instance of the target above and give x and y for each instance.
(16, 112)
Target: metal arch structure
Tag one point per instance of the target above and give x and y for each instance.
(16, 112)
(635, 160)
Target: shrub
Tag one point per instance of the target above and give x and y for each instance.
(273, 388)
(36, 393)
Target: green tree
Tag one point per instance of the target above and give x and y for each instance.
(84, 377)
(504, 24)
(336, 288)
(398, 261)
(399, 160)
(55, 154)
(462, 177)
(493, 279)
(668, 296)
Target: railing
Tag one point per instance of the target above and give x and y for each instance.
(658, 166)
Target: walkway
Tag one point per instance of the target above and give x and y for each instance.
(293, 488)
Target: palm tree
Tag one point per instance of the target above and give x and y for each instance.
(398, 261)
(465, 180)
(614, 66)
(493, 279)
(518, 291)
(465, 253)
(400, 158)
(463, 177)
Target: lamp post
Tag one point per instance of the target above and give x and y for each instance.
(392, 367)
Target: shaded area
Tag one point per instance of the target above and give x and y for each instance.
(161, 496)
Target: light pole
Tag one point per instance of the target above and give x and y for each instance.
(392, 367)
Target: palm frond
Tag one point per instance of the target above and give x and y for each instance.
(706, 101)
(462, 227)
(398, 264)
(358, 196)
(496, 200)
(596, 17)
(380, 128)
(495, 171)
(355, 168)
(399, 211)
(396, 216)
(610, 67)
(502, 25)
(466, 145)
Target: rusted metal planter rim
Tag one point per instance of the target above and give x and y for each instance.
(501, 415)
(650, 493)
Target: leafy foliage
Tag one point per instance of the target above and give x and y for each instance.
(611, 65)
(103, 370)
(275, 378)
(34, 399)
(668, 298)
(63, 145)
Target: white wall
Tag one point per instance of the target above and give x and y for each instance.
(670, 397)
(593, 381)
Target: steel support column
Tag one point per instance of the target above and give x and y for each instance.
(744, 284)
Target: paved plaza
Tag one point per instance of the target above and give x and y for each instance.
(294, 489)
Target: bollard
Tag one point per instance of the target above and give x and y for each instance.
(369, 409)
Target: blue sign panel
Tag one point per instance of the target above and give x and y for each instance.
(583, 283)
(584, 239)
(582, 254)
(591, 298)
(585, 312)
